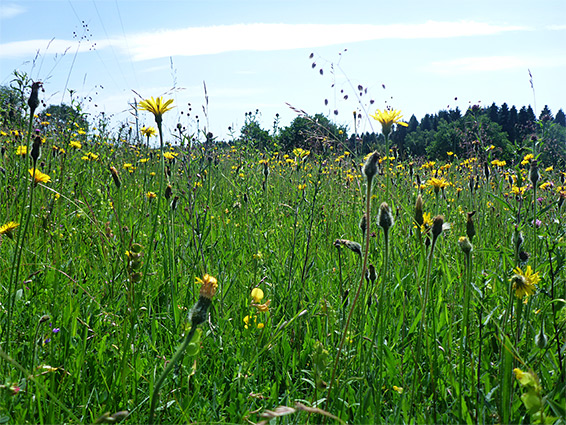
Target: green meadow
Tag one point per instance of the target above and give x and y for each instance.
(163, 276)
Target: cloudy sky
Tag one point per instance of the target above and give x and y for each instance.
(416, 56)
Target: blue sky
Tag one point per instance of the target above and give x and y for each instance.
(416, 56)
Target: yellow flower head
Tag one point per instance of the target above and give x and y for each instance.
(151, 195)
(148, 131)
(209, 286)
(75, 144)
(170, 155)
(22, 150)
(38, 176)
(8, 228)
(524, 283)
(157, 107)
(437, 183)
(387, 118)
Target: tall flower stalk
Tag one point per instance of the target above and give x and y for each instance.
(387, 118)
(369, 170)
(33, 103)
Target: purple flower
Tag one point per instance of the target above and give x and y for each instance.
(56, 330)
(537, 223)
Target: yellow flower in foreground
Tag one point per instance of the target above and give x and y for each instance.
(39, 177)
(257, 294)
(8, 228)
(157, 107)
(524, 283)
(387, 118)
(22, 150)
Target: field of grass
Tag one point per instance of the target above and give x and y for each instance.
(460, 317)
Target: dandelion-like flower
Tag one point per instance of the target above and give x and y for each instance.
(8, 229)
(524, 282)
(148, 131)
(21, 150)
(387, 118)
(209, 286)
(437, 184)
(157, 107)
(38, 176)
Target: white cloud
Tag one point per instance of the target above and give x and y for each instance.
(195, 41)
(8, 11)
(268, 37)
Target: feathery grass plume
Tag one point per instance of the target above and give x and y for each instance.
(470, 228)
(115, 176)
(419, 219)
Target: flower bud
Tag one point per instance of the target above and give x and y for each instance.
(370, 166)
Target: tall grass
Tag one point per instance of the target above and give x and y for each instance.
(92, 333)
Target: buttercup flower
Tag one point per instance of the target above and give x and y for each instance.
(257, 295)
(157, 107)
(387, 118)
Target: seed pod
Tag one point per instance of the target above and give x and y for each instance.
(470, 228)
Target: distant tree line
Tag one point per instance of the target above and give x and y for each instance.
(503, 131)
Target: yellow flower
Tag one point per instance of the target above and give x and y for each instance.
(257, 294)
(75, 144)
(528, 157)
(157, 107)
(38, 176)
(151, 195)
(437, 184)
(209, 286)
(148, 131)
(387, 118)
(170, 155)
(398, 389)
(22, 150)
(8, 228)
(524, 283)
